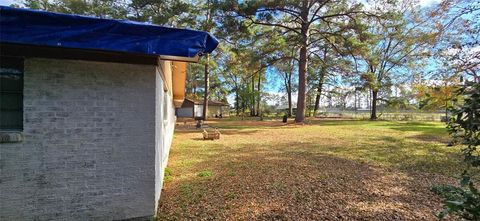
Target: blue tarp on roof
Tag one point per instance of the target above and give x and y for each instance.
(23, 26)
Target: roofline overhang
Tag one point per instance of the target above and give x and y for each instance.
(42, 28)
(27, 50)
(182, 59)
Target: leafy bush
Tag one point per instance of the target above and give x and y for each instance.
(464, 127)
(463, 201)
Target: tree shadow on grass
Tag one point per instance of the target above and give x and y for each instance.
(399, 153)
(338, 122)
(199, 133)
(272, 124)
(427, 132)
(286, 182)
(425, 127)
(424, 131)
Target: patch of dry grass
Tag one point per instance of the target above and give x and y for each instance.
(324, 170)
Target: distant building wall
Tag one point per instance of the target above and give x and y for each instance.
(215, 110)
(198, 110)
(212, 110)
(96, 141)
(185, 112)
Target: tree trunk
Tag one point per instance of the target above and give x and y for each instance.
(289, 97)
(252, 109)
(302, 65)
(237, 105)
(317, 104)
(207, 85)
(323, 72)
(318, 96)
(310, 109)
(258, 95)
(207, 60)
(373, 115)
(302, 84)
(369, 99)
(243, 108)
(288, 88)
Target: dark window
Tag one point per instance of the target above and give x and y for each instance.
(11, 93)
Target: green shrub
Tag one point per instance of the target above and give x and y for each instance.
(464, 127)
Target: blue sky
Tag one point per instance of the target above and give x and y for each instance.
(7, 2)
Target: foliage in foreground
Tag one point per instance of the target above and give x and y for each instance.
(464, 201)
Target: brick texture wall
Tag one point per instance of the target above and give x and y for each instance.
(93, 147)
(165, 125)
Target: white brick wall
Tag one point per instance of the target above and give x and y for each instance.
(164, 124)
(92, 134)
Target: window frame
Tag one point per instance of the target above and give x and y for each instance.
(17, 63)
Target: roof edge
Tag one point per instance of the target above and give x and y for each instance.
(41, 28)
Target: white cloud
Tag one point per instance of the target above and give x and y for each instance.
(7, 2)
(425, 3)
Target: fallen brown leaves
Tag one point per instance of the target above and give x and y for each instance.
(264, 175)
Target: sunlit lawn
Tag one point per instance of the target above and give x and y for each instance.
(337, 169)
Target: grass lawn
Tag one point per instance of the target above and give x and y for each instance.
(324, 170)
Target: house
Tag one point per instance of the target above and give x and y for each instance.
(192, 108)
(87, 113)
